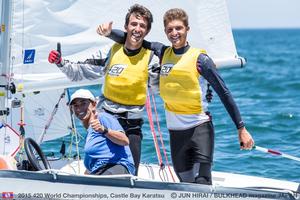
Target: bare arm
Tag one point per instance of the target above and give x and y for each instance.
(115, 136)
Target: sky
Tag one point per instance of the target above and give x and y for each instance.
(264, 13)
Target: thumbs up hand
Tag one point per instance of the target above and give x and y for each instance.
(105, 29)
(55, 55)
(94, 122)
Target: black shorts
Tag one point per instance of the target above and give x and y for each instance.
(133, 130)
(130, 126)
(112, 169)
(195, 145)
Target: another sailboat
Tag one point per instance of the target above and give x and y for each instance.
(33, 100)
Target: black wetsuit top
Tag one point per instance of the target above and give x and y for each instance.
(205, 66)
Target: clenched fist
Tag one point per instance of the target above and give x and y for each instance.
(54, 57)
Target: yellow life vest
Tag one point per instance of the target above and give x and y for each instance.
(179, 82)
(127, 76)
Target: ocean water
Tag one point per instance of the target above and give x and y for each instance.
(267, 92)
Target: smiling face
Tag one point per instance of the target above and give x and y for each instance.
(83, 109)
(176, 25)
(176, 32)
(137, 29)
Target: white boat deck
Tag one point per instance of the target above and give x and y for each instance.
(153, 172)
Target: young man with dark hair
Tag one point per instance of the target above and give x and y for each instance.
(128, 68)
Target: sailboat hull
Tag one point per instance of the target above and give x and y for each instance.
(152, 183)
(33, 185)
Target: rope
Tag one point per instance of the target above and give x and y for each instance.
(160, 135)
(22, 133)
(74, 132)
(149, 113)
(51, 118)
(71, 143)
(77, 151)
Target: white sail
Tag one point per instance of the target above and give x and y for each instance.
(40, 115)
(40, 24)
(10, 140)
(37, 26)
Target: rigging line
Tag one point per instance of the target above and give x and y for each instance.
(71, 144)
(23, 38)
(23, 27)
(22, 133)
(80, 136)
(9, 78)
(72, 134)
(162, 178)
(51, 118)
(77, 150)
(74, 130)
(150, 119)
(160, 134)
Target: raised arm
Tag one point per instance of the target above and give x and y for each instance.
(157, 47)
(119, 36)
(90, 69)
(207, 69)
(106, 30)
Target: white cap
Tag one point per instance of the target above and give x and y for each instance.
(82, 94)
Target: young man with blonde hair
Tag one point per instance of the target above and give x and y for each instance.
(185, 73)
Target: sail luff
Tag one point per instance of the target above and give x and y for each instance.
(6, 13)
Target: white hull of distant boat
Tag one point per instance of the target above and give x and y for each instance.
(152, 183)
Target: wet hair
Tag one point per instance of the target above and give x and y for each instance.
(176, 14)
(139, 10)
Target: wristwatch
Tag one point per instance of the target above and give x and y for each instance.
(105, 130)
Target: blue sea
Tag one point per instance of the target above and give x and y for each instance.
(267, 92)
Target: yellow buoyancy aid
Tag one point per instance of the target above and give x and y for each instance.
(179, 82)
(127, 76)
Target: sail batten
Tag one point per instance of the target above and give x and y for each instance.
(51, 81)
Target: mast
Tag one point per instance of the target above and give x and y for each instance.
(5, 41)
